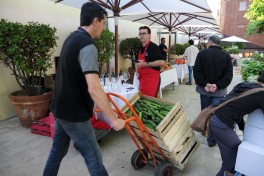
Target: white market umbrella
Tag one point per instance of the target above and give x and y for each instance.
(192, 30)
(172, 20)
(234, 39)
(128, 7)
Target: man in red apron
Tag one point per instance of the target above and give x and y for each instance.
(150, 60)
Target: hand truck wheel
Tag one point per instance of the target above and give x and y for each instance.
(137, 160)
(163, 169)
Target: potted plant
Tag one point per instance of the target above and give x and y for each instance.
(26, 51)
(129, 48)
(105, 45)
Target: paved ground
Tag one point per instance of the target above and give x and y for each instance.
(25, 154)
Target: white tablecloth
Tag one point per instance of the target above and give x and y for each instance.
(128, 91)
(166, 77)
(182, 70)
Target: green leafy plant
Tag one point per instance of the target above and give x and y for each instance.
(233, 49)
(256, 56)
(251, 68)
(129, 47)
(106, 46)
(178, 48)
(255, 15)
(26, 50)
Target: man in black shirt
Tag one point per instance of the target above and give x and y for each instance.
(150, 60)
(213, 72)
(223, 121)
(163, 48)
(77, 88)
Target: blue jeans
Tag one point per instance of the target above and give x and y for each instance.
(83, 135)
(205, 102)
(227, 141)
(190, 68)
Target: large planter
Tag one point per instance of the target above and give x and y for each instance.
(30, 108)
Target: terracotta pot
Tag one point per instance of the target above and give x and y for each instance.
(30, 108)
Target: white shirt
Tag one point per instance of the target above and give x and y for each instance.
(191, 54)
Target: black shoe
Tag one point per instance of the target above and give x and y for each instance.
(188, 83)
(211, 144)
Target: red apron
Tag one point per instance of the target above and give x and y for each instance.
(149, 78)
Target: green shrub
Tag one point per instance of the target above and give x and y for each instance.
(251, 68)
(257, 56)
(129, 47)
(106, 46)
(26, 50)
(232, 49)
(178, 49)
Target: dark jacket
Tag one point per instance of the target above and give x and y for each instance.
(213, 66)
(224, 113)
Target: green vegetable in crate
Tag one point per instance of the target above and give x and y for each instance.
(149, 126)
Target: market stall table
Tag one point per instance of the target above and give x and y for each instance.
(182, 70)
(128, 91)
(167, 77)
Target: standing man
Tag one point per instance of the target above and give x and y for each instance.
(213, 72)
(77, 88)
(150, 60)
(190, 55)
(163, 49)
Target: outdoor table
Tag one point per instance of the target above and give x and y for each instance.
(128, 91)
(167, 77)
(182, 70)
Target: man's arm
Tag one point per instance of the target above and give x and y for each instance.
(156, 63)
(228, 75)
(198, 72)
(100, 99)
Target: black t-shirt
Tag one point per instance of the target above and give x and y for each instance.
(152, 54)
(235, 110)
(71, 100)
(164, 54)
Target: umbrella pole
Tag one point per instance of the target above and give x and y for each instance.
(116, 46)
(169, 46)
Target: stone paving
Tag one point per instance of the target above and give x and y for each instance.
(25, 154)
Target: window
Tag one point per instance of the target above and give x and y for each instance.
(243, 6)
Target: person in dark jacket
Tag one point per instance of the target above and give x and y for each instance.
(222, 122)
(213, 72)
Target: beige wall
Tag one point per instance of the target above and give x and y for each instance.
(64, 18)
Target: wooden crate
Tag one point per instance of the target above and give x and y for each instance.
(169, 120)
(173, 135)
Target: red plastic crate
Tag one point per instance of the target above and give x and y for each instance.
(41, 127)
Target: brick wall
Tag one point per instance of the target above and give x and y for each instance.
(232, 21)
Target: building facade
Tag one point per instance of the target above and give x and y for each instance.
(232, 21)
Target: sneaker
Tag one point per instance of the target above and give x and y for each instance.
(188, 83)
(211, 144)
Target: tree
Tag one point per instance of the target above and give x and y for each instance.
(105, 46)
(27, 51)
(129, 47)
(255, 15)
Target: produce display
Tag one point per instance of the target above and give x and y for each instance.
(151, 112)
(166, 66)
(180, 61)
